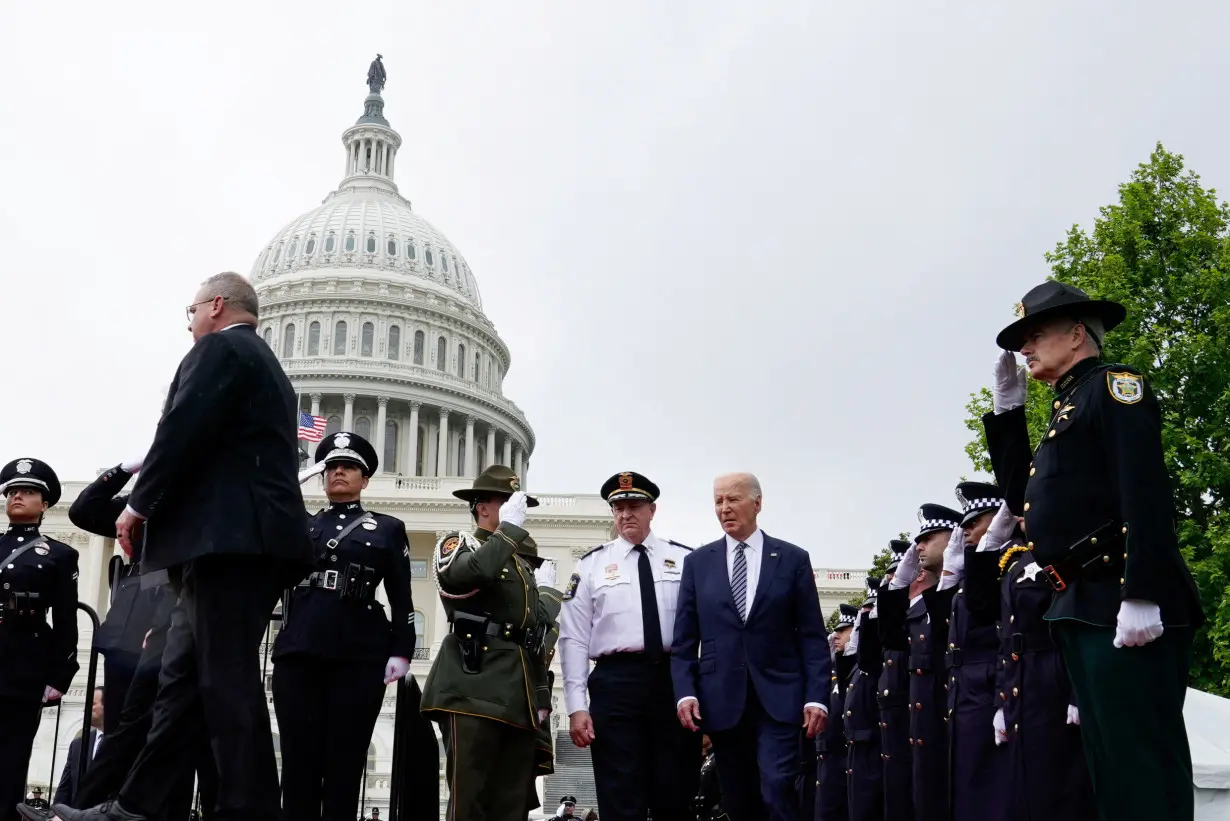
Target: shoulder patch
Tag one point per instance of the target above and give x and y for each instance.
(571, 589)
(1125, 387)
(683, 546)
(446, 551)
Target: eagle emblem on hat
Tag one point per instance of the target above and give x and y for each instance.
(514, 482)
(625, 481)
(24, 466)
(342, 440)
(1019, 310)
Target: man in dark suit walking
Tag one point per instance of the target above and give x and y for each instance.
(67, 787)
(751, 655)
(219, 497)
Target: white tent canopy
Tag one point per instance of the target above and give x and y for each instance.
(1208, 732)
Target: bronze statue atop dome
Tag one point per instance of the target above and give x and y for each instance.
(376, 75)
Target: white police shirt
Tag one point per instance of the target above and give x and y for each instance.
(601, 613)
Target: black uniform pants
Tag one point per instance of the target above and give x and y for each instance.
(124, 742)
(210, 688)
(327, 709)
(1132, 728)
(489, 768)
(644, 760)
(19, 720)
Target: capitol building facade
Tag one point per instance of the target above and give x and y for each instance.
(377, 319)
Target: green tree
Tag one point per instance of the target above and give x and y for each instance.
(1163, 250)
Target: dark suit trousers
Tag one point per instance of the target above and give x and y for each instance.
(758, 761)
(121, 746)
(19, 720)
(119, 669)
(644, 760)
(210, 688)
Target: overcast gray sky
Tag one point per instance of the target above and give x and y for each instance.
(776, 237)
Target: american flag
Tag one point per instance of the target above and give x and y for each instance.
(311, 428)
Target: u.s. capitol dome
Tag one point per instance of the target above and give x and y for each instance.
(377, 319)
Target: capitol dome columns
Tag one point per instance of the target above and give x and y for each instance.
(469, 469)
(442, 447)
(412, 434)
(489, 456)
(348, 413)
(382, 416)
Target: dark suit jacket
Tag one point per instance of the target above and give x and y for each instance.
(221, 477)
(68, 780)
(783, 647)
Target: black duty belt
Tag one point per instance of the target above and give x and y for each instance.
(957, 656)
(355, 581)
(1019, 644)
(1099, 551)
(467, 625)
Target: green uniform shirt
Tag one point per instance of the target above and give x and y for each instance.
(482, 575)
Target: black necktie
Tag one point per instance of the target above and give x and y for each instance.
(649, 606)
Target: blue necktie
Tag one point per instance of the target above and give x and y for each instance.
(738, 581)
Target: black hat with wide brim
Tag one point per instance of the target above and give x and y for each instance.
(1053, 300)
(495, 479)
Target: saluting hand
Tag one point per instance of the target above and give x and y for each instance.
(1008, 390)
(907, 570)
(581, 728)
(998, 532)
(513, 511)
(954, 554)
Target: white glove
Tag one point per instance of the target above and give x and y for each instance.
(51, 694)
(907, 570)
(1074, 715)
(852, 644)
(133, 465)
(1139, 623)
(396, 668)
(314, 470)
(560, 812)
(545, 574)
(513, 511)
(1001, 730)
(954, 554)
(999, 531)
(1008, 391)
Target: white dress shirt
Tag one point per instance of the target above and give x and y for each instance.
(752, 553)
(601, 613)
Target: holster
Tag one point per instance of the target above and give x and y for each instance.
(471, 632)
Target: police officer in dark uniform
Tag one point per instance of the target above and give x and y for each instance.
(976, 767)
(865, 768)
(893, 697)
(831, 744)
(337, 650)
(142, 607)
(37, 660)
(486, 688)
(1100, 515)
(914, 600)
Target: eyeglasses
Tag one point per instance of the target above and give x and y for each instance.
(190, 311)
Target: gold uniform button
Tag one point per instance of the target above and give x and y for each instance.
(951, 646)
(1032, 471)
(1121, 581)
(1125, 528)
(886, 693)
(1057, 404)
(1030, 545)
(1027, 506)
(1015, 692)
(1106, 559)
(1050, 433)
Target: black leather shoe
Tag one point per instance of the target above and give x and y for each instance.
(109, 811)
(33, 813)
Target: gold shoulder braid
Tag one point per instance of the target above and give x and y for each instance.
(1008, 554)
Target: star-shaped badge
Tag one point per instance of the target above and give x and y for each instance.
(1031, 571)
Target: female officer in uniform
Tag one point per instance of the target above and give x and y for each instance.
(37, 661)
(337, 650)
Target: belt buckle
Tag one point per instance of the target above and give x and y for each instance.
(330, 580)
(1054, 578)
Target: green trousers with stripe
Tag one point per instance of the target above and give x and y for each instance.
(1131, 712)
(490, 768)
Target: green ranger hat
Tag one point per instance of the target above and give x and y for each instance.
(528, 550)
(495, 479)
